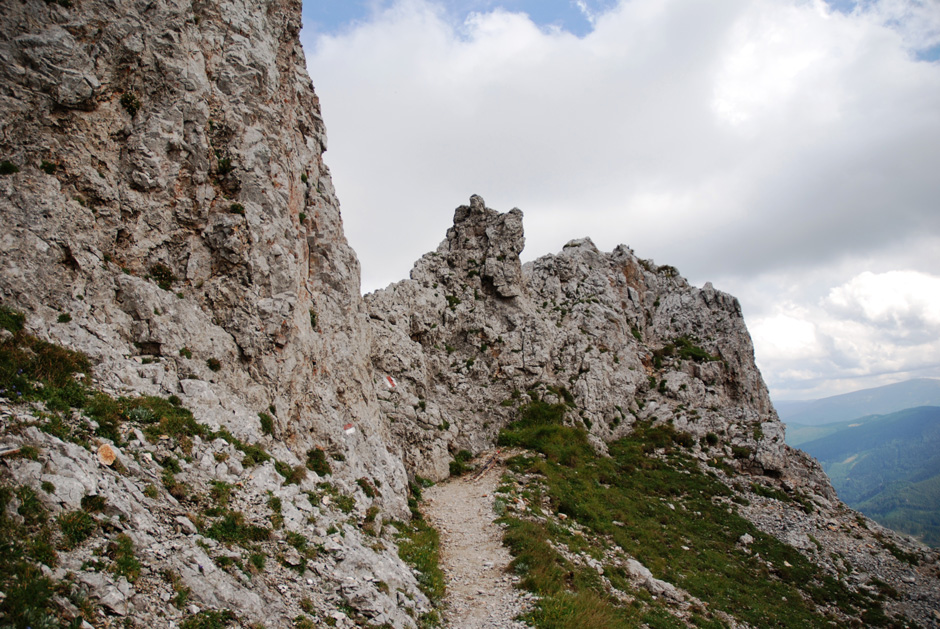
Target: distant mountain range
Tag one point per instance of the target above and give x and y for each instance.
(876, 401)
(886, 466)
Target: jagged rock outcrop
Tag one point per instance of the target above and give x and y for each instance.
(621, 338)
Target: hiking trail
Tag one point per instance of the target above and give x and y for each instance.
(481, 592)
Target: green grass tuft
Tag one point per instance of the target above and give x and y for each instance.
(125, 562)
(419, 546)
(11, 320)
(210, 619)
(231, 528)
(267, 424)
(130, 103)
(76, 527)
(317, 463)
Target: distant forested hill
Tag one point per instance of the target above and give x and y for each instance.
(888, 467)
(877, 401)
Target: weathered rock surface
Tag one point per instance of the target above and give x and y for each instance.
(172, 199)
(340, 565)
(627, 340)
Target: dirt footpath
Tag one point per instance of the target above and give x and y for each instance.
(480, 592)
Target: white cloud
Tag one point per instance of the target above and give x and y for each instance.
(916, 21)
(588, 14)
(787, 337)
(774, 56)
(735, 140)
(906, 299)
(872, 329)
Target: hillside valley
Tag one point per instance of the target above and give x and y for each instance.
(887, 467)
(203, 424)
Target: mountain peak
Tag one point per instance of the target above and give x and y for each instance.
(481, 242)
(627, 339)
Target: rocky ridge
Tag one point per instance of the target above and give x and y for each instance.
(622, 339)
(166, 212)
(474, 334)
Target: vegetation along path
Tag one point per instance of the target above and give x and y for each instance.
(480, 592)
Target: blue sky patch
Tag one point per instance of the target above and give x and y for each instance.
(328, 16)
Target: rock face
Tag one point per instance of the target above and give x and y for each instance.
(172, 218)
(614, 335)
(172, 199)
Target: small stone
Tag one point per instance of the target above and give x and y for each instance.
(292, 557)
(106, 455)
(8, 450)
(186, 525)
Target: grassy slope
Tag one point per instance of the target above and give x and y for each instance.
(651, 501)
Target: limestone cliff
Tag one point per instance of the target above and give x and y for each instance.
(172, 199)
(165, 210)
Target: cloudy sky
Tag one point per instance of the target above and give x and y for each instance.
(786, 150)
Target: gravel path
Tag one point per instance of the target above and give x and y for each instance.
(480, 592)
